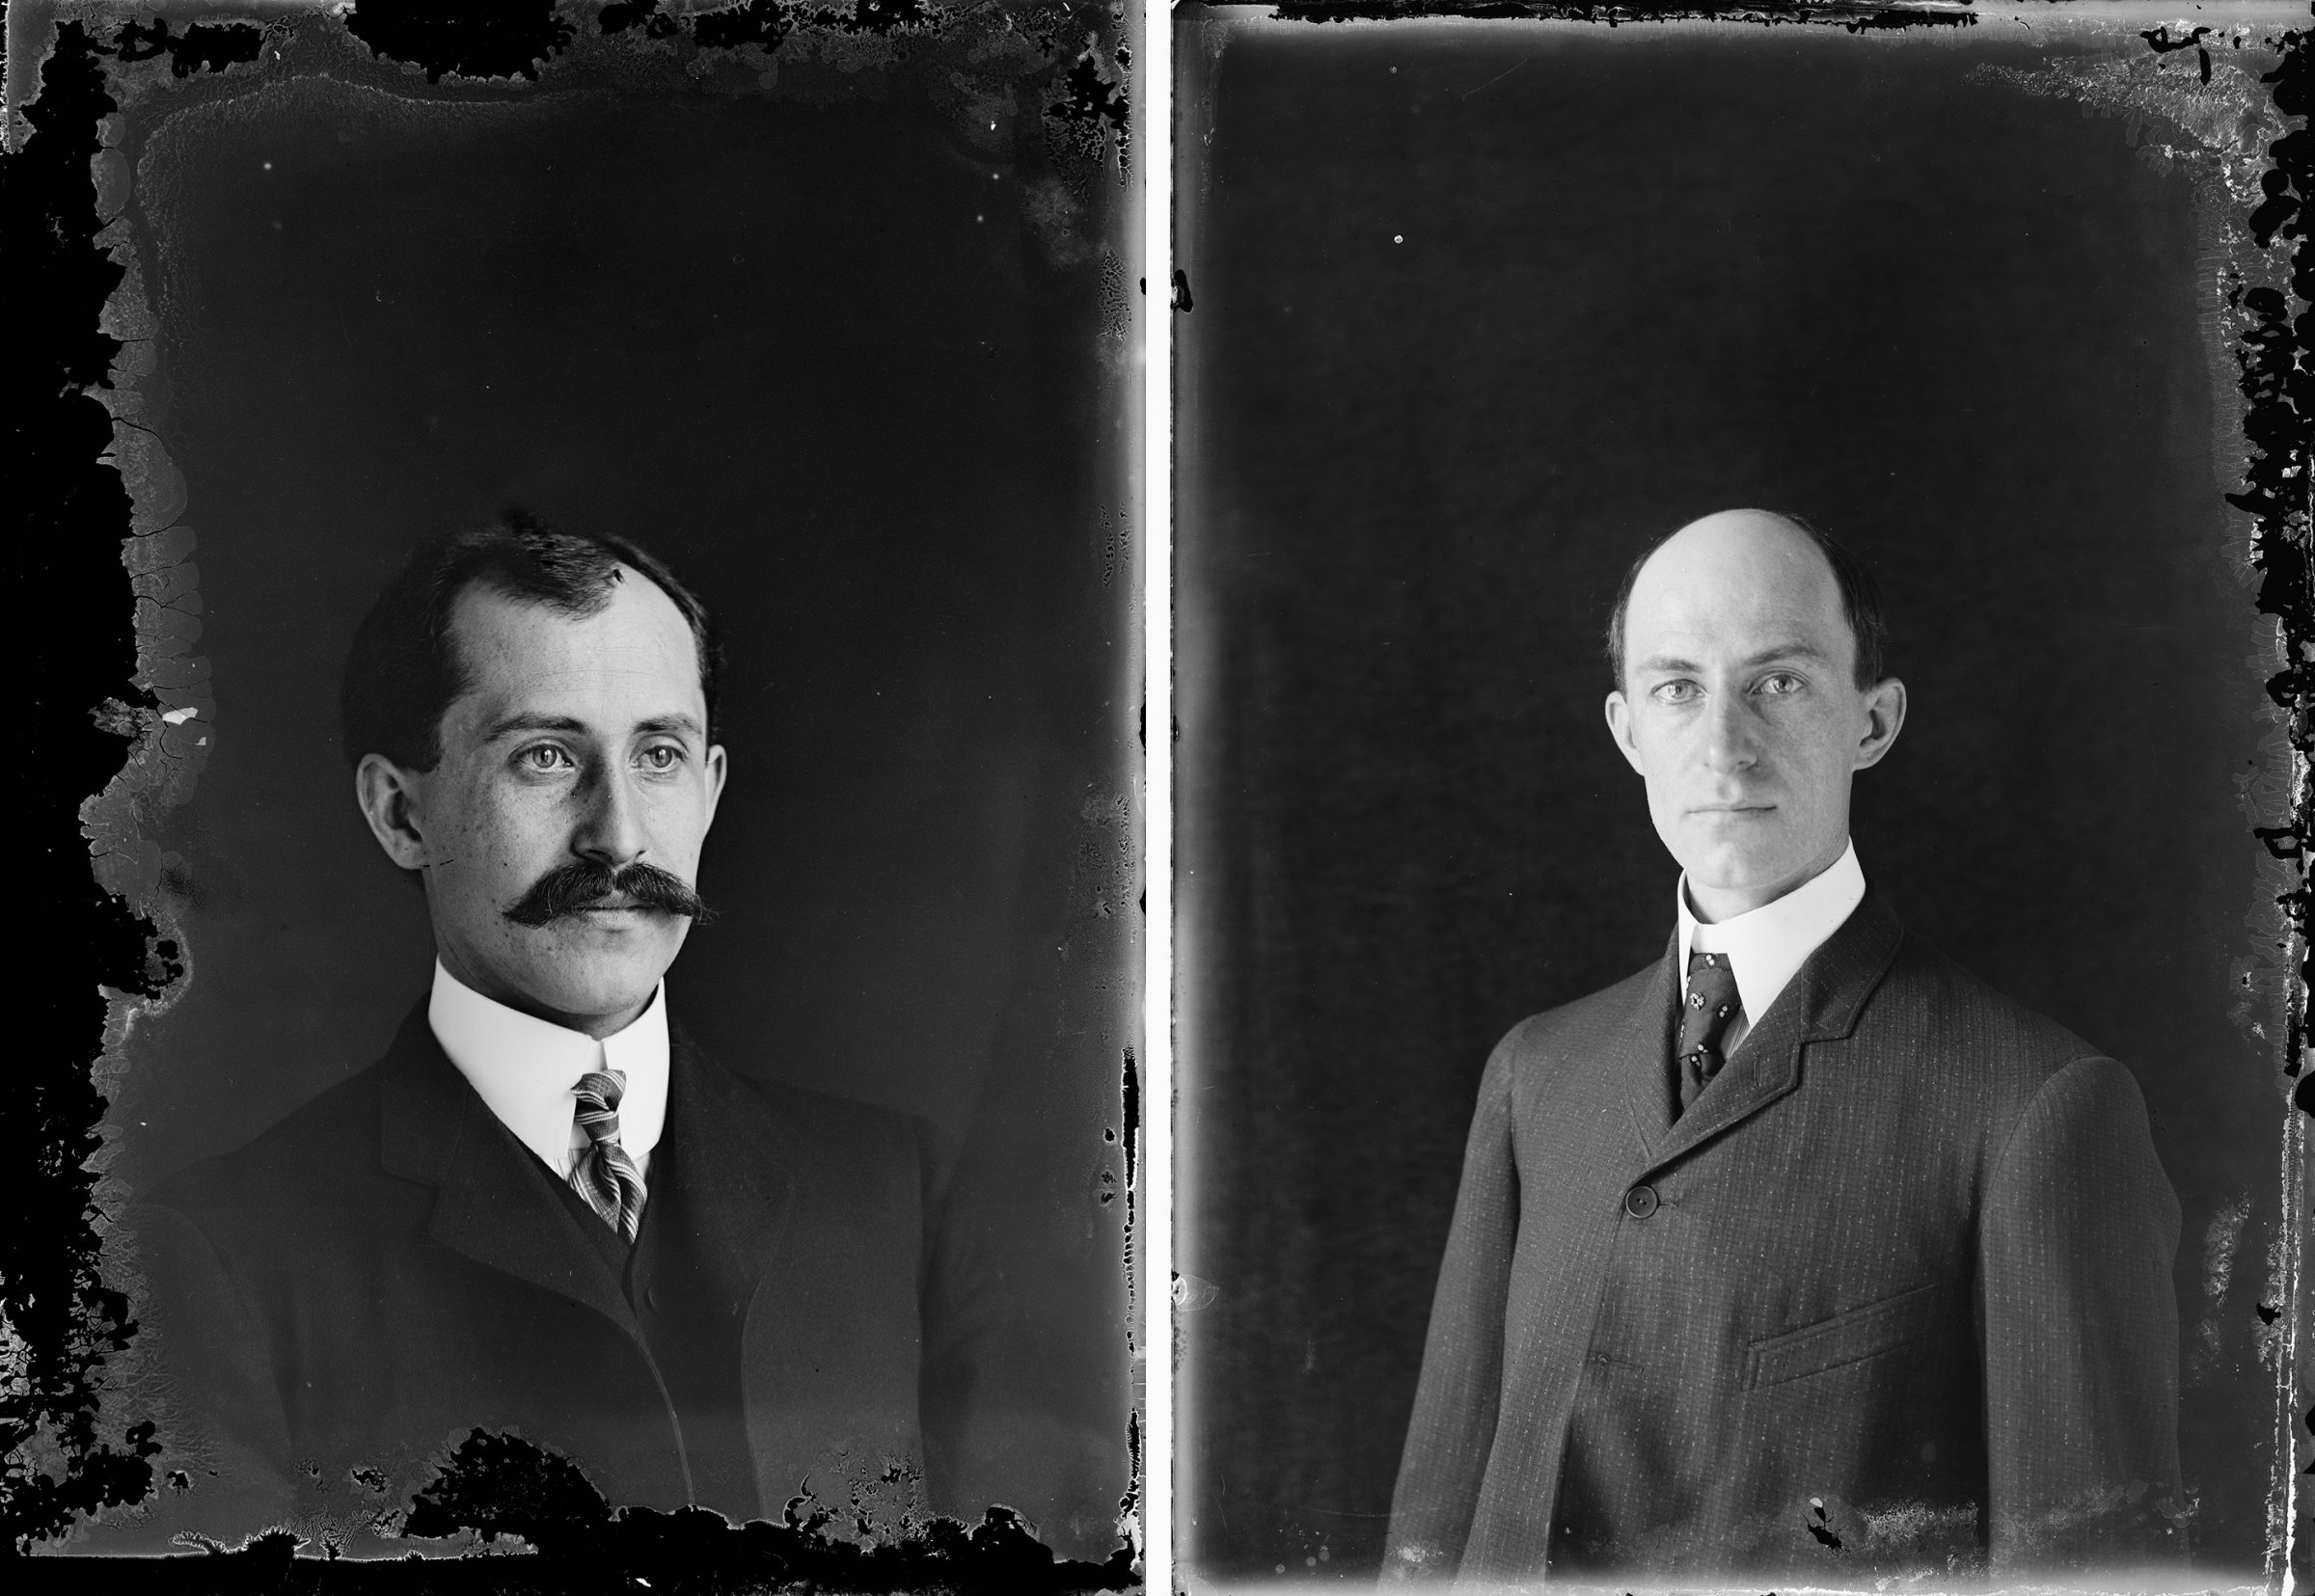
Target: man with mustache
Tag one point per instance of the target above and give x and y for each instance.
(1800, 1251)
(544, 1212)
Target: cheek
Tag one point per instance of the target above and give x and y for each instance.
(503, 830)
(677, 820)
(1821, 753)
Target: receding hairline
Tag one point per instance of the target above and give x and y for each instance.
(1749, 518)
(489, 585)
(1855, 594)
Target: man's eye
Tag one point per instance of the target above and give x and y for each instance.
(661, 757)
(544, 756)
(1779, 684)
(1676, 692)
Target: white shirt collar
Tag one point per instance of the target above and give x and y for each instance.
(525, 1069)
(1767, 946)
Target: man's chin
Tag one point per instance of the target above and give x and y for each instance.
(600, 963)
(1749, 876)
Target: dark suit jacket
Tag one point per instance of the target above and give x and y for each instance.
(388, 1268)
(1899, 1280)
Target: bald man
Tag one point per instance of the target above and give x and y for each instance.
(1800, 1252)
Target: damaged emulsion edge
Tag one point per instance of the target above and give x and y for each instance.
(171, 726)
(2254, 189)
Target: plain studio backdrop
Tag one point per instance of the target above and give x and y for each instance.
(847, 372)
(1479, 310)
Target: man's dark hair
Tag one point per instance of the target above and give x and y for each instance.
(1860, 602)
(404, 670)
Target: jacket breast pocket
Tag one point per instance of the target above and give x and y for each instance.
(1849, 1336)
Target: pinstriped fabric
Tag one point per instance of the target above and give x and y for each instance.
(1893, 1295)
(604, 1176)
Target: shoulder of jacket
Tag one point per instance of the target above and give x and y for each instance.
(1581, 1023)
(328, 1142)
(1967, 1022)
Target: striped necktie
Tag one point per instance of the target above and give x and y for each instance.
(604, 1174)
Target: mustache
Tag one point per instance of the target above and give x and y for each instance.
(582, 884)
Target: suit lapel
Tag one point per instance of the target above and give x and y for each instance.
(1820, 1003)
(1643, 1041)
(736, 1194)
(489, 1206)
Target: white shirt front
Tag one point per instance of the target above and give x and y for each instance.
(526, 1069)
(1766, 947)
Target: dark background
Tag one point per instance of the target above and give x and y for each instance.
(842, 367)
(1647, 275)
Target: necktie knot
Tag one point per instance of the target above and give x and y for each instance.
(1712, 1005)
(604, 1174)
(599, 1091)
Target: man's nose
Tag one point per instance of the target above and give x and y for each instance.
(610, 821)
(1729, 743)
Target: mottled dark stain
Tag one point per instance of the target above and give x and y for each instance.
(1854, 17)
(1130, 1093)
(1819, 1528)
(2277, 384)
(202, 48)
(503, 1486)
(767, 22)
(622, 15)
(2159, 41)
(454, 38)
(60, 1466)
(1092, 102)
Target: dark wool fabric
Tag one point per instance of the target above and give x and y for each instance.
(1894, 1294)
(388, 1268)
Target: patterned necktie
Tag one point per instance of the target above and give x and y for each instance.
(1705, 1018)
(604, 1174)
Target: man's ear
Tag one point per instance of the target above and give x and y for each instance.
(388, 797)
(1885, 717)
(717, 768)
(1620, 727)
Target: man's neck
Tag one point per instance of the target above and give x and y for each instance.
(1712, 905)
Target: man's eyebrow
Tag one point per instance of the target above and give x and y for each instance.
(1786, 651)
(529, 721)
(515, 724)
(1667, 663)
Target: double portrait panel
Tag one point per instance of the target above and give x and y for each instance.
(639, 568)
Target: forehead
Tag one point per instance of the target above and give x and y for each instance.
(636, 650)
(1738, 585)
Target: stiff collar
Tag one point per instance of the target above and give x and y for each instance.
(524, 1069)
(1766, 946)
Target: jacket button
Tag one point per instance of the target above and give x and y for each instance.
(1640, 1202)
(651, 1296)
